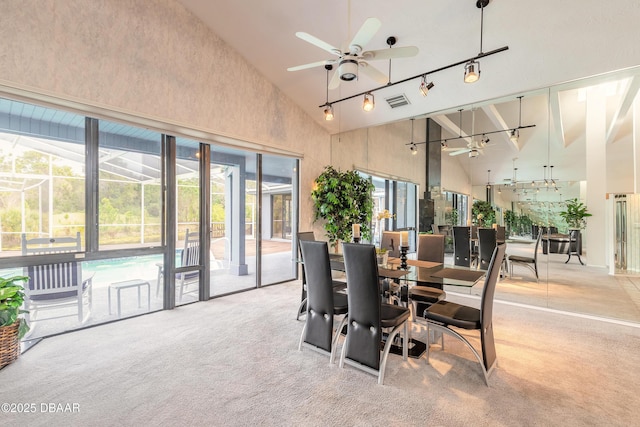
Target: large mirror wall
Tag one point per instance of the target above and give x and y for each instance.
(576, 141)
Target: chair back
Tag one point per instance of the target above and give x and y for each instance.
(431, 247)
(50, 245)
(486, 306)
(535, 250)
(191, 252)
(486, 245)
(391, 242)
(501, 234)
(54, 281)
(364, 329)
(462, 246)
(320, 308)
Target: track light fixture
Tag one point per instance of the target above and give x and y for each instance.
(369, 103)
(471, 72)
(414, 149)
(489, 179)
(515, 135)
(328, 113)
(424, 86)
(472, 68)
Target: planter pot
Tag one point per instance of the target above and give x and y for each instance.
(9, 344)
(382, 258)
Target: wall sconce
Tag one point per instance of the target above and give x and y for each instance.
(369, 102)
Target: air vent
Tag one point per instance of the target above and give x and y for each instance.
(397, 101)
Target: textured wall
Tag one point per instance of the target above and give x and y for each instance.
(152, 59)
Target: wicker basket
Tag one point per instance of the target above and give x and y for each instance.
(9, 344)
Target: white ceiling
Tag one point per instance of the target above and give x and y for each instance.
(549, 43)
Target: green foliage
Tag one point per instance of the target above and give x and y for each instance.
(342, 199)
(451, 217)
(575, 214)
(11, 299)
(483, 213)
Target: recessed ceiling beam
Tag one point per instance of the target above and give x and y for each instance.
(557, 128)
(498, 121)
(628, 97)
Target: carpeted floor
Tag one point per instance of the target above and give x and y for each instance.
(234, 361)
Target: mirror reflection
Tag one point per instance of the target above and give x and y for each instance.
(574, 144)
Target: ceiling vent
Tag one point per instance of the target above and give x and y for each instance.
(397, 101)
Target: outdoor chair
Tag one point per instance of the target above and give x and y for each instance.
(56, 285)
(323, 302)
(368, 316)
(529, 262)
(444, 316)
(189, 256)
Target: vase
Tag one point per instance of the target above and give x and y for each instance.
(382, 259)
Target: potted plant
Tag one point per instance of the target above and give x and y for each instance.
(575, 214)
(12, 327)
(342, 199)
(483, 213)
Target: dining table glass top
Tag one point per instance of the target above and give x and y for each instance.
(422, 272)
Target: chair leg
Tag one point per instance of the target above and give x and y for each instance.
(336, 337)
(304, 329)
(387, 347)
(301, 309)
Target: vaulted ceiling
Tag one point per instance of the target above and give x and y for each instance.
(550, 44)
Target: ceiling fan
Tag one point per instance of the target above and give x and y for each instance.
(353, 58)
(474, 148)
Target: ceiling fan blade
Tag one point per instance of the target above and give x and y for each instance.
(396, 52)
(335, 81)
(310, 65)
(457, 153)
(319, 43)
(365, 34)
(373, 73)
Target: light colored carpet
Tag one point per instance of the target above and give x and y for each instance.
(234, 361)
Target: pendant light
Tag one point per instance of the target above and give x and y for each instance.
(472, 68)
(328, 111)
(412, 146)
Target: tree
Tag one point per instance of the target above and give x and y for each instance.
(342, 199)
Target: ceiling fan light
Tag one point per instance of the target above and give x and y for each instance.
(471, 72)
(348, 70)
(328, 113)
(369, 102)
(473, 153)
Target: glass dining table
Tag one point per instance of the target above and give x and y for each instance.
(416, 272)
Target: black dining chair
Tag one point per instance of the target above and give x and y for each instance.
(323, 302)
(444, 316)
(430, 248)
(462, 255)
(529, 262)
(368, 316)
(487, 242)
(337, 284)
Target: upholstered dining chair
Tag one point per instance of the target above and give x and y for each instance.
(530, 262)
(446, 316)
(368, 316)
(323, 302)
(462, 255)
(337, 284)
(430, 248)
(487, 242)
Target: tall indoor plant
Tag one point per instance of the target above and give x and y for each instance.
(575, 214)
(12, 326)
(342, 199)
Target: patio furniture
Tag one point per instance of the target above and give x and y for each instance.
(134, 283)
(56, 285)
(189, 256)
(323, 302)
(444, 316)
(367, 316)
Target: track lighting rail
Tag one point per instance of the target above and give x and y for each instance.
(418, 76)
(453, 138)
